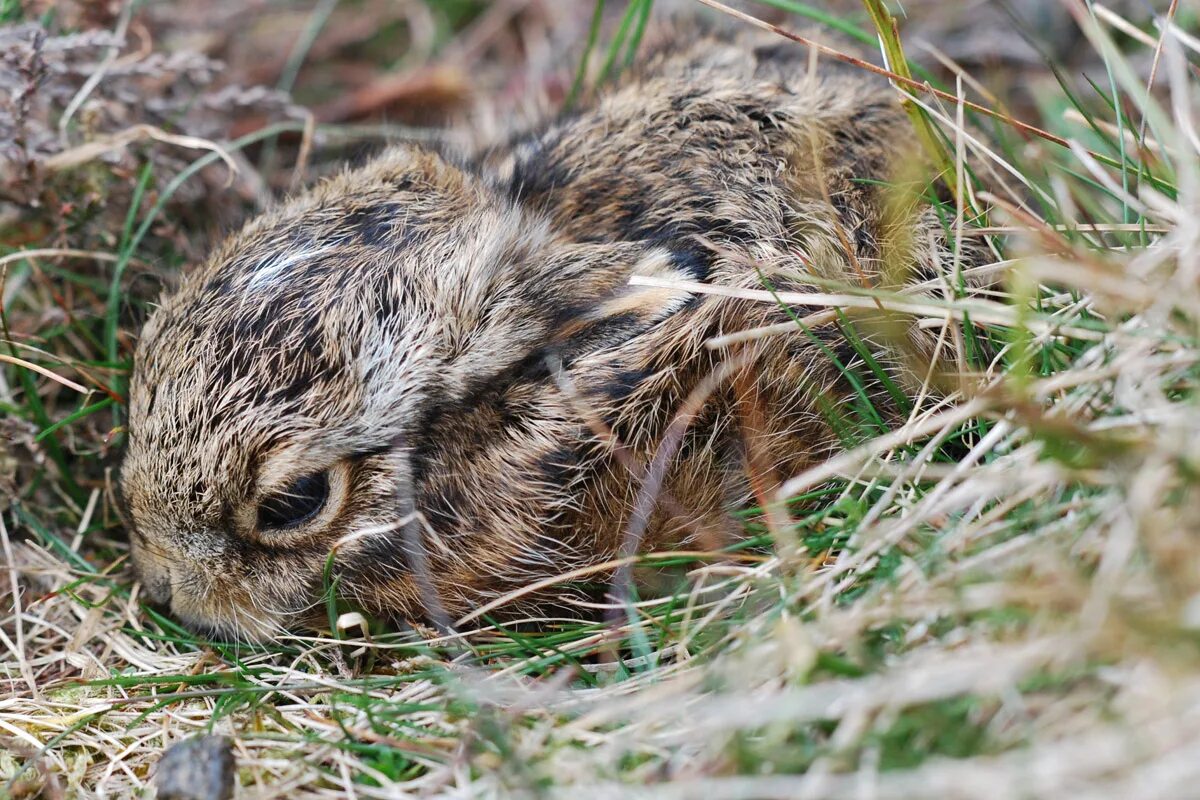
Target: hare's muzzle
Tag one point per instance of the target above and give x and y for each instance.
(152, 572)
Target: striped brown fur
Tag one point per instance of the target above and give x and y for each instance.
(460, 332)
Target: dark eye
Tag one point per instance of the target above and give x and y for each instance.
(295, 505)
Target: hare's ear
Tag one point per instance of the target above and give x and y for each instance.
(644, 286)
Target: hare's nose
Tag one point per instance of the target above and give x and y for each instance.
(158, 590)
(154, 577)
(155, 585)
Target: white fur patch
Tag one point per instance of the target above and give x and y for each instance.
(269, 270)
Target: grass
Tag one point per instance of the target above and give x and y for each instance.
(998, 597)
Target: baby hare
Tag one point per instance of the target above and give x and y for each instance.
(453, 373)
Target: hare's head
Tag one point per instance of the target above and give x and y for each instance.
(278, 397)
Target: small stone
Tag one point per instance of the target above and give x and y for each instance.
(199, 768)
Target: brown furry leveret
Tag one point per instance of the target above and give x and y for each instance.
(456, 336)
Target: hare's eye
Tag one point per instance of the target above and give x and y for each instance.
(297, 504)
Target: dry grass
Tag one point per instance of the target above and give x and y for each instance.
(1000, 598)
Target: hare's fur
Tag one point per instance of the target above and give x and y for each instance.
(460, 335)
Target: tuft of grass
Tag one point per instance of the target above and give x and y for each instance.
(621, 49)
